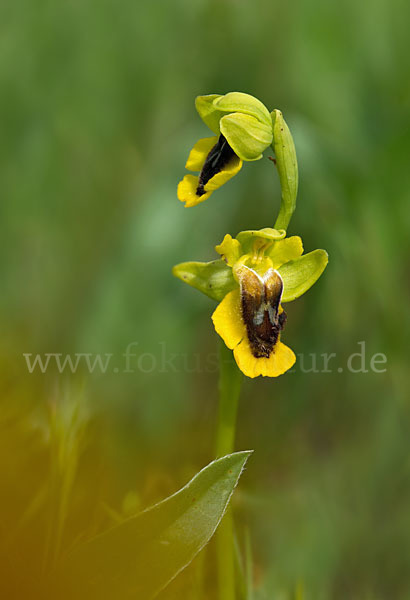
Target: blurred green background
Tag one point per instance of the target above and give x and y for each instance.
(97, 118)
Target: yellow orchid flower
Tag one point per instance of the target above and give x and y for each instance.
(243, 128)
(259, 271)
(216, 162)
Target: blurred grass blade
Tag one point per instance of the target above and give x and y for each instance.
(300, 591)
(139, 557)
(248, 566)
(239, 570)
(244, 567)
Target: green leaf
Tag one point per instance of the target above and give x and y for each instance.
(214, 279)
(139, 557)
(300, 274)
(287, 165)
(247, 136)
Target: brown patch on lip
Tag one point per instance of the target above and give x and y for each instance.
(260, 302)
(216, 160)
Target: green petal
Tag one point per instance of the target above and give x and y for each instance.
(287, 166)
(300, 274)
(247, 238)
(246, 104)
(214, 279)
(268, 233)
(247, 136)
(208, 112)
(285, 250)
(229, 249)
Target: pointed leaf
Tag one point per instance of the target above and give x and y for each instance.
(214, 279)
(300, 274)
(138, 558)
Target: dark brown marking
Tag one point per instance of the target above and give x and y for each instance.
(260, 302)
(216, 160)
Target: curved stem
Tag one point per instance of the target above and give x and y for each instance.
(284, 216)
(230, 381)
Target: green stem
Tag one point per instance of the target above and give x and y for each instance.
(284, 216)
(229, 387)
(230, 381)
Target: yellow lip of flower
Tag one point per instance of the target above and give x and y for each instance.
(216, 163)
(249, 320)
(246, 318)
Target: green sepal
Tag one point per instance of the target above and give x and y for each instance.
(208, 112)
(214, 279)
(300, 274)
(286, 163)
(247, 238)
(247, 136)
(268, 233)
(246, 104)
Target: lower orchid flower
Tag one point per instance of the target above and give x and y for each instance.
(258, 272)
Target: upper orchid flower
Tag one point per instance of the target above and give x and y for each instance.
(243, 128)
